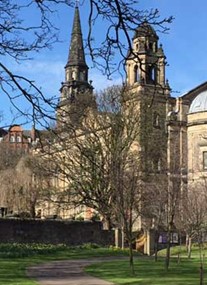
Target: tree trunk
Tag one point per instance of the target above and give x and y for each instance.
(32, 210)
(189, 247)
(107, 225)
(167, 258)
(131, 256)
(129, 236)
(186, 241)
(179, 253)
(201, 275)
(201, 262)
(122, 238)
(156, 244)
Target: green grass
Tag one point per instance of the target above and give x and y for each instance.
(149, 272)
(182, 251)
(12, 272)
(15, 258)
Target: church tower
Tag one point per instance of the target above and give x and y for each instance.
(145, 67)
(146, 62)
(76, 89)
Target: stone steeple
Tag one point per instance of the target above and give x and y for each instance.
(76, 55)
(76, 69)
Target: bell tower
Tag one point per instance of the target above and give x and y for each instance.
(146, 62)
(150, 93)
(76, 87)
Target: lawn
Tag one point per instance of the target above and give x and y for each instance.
(15, 258)
(147, 271)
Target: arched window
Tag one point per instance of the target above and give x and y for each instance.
(150, 46)
(152, 74)
(156, 120)
(73, 75)
(12, 139)
(65, 93)
(156, 164)
(136, 73)
(155, 47)
(67, 75)
(19, 139)
(82, 76)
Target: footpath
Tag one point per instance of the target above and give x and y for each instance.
(67, 272)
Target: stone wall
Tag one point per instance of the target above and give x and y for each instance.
(54, 232)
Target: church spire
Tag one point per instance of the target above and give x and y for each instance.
(76, 55)
(76, 85)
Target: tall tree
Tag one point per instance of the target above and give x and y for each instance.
(20, 38)
(33, 182)
(25, 181)
(100, 160)
(194, 220)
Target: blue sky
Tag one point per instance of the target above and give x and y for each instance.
(185, 47)
(185, 44)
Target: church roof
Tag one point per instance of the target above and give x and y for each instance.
(76, 55)
(145, 30)
(199, 104)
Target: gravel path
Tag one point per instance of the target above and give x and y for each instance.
(67, 272)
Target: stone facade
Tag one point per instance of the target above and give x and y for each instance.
(173, 140)
(162, 139)
(196, 136)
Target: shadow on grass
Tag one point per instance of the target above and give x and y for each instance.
(13, 272)
(148, 272)
(14, 259)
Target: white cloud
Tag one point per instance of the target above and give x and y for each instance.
(100, 81)
(40, 67)
(48, 74)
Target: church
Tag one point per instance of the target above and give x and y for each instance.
(173, 144)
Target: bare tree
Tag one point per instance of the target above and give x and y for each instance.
(96, 132)
(33, 180)
(25, 182)
(122, 19)
(101, 160)
(90, 155)
(21, 38)
(156, 207)
(9, 156)
(7, 191)
(194, 212)
(130, 200)
(194, 218)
